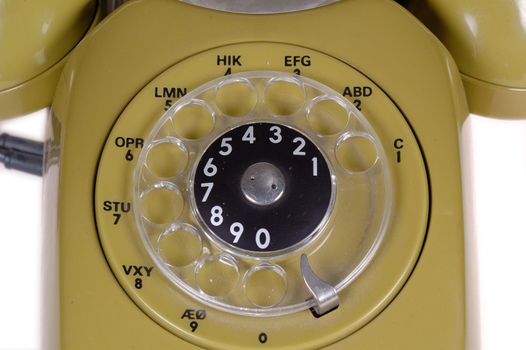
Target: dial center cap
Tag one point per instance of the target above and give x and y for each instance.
(263, 184)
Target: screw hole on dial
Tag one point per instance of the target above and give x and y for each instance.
(194, 120)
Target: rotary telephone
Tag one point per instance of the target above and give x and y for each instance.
(255, 174)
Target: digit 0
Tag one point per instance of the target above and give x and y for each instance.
(263, 238)
(263, 338)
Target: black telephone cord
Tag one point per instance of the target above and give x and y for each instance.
(21, 154)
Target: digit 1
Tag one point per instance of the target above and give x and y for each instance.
(315, 166)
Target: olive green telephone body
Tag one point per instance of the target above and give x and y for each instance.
(259, 174)
(164, 120)
(254, 175)
(247, 174)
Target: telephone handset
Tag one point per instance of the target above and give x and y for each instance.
(251, 175)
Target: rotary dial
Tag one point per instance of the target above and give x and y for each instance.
(246, 185)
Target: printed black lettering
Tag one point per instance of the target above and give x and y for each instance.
(148, 270)
(117, 207)
(222, 60)
(357, 91)
(107, 206)
(229, 60)
(170, 92)
(125, 207)
(129, 142)
(137, 270)
(189, 314)
(294, 61)
(127, 269)
(120, 142)
(399, 145)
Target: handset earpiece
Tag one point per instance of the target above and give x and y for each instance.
(35, 41)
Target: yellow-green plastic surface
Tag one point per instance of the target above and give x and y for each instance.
(108, 84)
(35, 37)
(375, 288)
(487, 39)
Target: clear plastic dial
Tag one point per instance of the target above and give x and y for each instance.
(278, 144)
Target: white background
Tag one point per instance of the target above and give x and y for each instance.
(20, 245)
(494, 165)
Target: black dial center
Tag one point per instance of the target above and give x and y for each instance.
(262, 187)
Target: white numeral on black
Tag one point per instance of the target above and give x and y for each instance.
(315, 166)
(226, 147)
(210, 169)
(249, 135)
(263, 238)
(208, 186)
(277, 135)
(236, 229)
(299, 150)
(217, 216)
